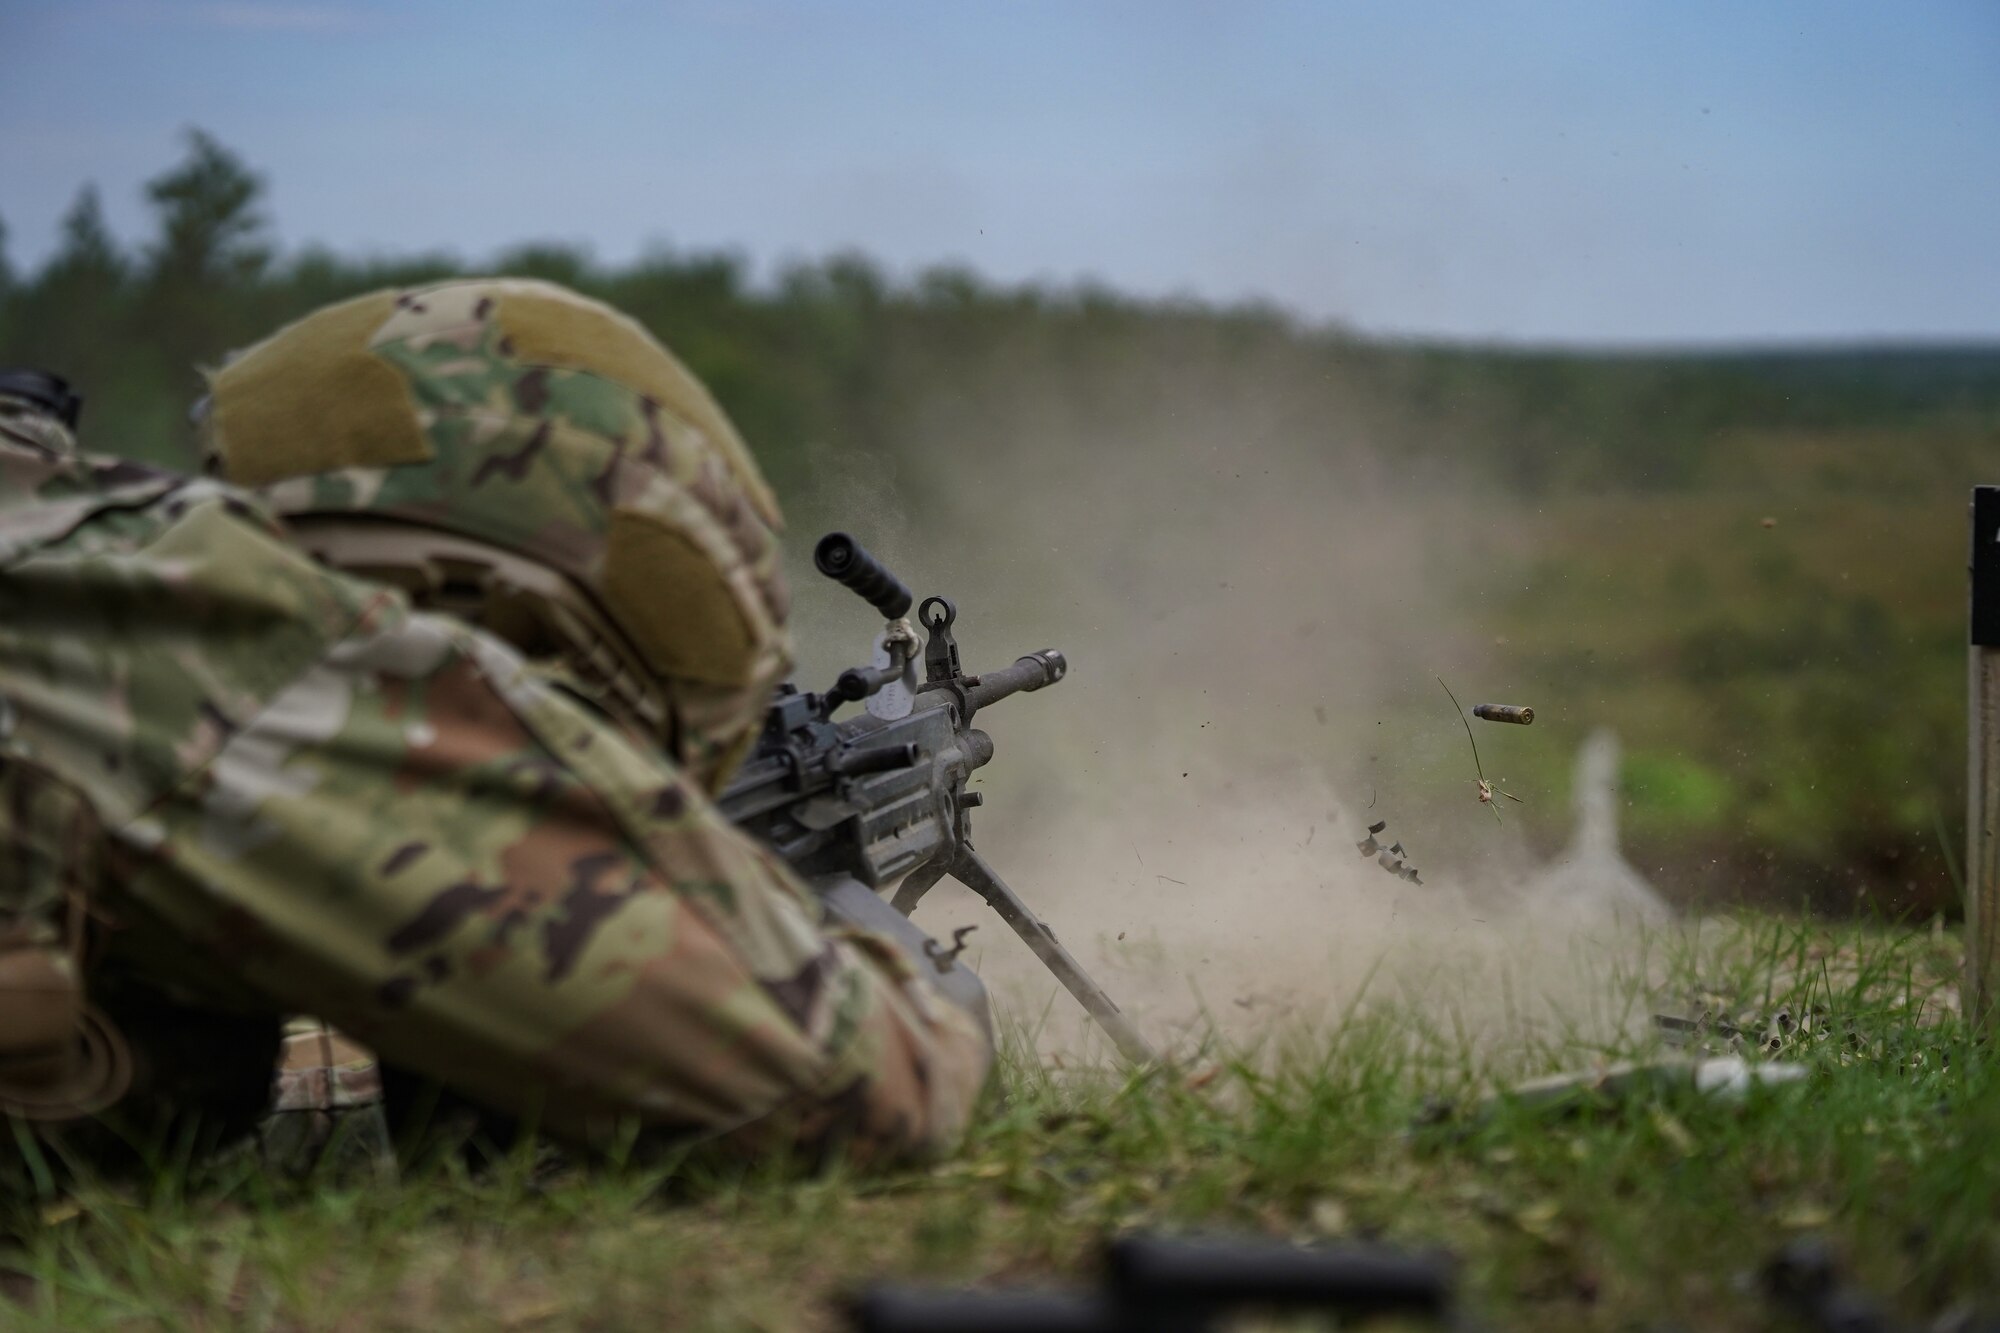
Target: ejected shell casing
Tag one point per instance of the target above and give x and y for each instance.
(1517, 714)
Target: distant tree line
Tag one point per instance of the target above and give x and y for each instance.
(835, 355)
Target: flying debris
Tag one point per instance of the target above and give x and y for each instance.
(1391, 858)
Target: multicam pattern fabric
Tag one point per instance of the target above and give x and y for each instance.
(316, 796)
(551, 426)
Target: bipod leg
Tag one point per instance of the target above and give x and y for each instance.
(916, 884)
(971, 870)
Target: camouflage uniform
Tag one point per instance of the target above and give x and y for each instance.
(286, 788)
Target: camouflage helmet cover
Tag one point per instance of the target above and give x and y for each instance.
(523, 421)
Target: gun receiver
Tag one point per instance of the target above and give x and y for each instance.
(884, 799)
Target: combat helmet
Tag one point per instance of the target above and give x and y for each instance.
(535, 462)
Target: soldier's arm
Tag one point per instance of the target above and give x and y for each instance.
(424, 844)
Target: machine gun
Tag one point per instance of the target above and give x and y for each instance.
(881, 797)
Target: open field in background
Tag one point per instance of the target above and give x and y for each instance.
(1650, 1212)
(1781, 648)
(1581, 531)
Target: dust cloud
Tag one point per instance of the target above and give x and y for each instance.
(1255, 613)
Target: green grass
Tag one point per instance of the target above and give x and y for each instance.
(1626, 1214)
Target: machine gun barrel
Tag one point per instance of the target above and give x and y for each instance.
(1031, 672)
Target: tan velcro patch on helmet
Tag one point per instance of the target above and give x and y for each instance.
(672, 598)
(312, 398)
(572, 333)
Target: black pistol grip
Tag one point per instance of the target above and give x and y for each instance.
(846, 561)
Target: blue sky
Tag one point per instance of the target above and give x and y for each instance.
(1574, 171)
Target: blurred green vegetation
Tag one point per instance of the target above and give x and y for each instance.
(1784, 660)
(1749, 563)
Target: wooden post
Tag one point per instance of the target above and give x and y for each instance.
(1981, 984)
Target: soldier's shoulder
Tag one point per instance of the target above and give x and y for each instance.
(176, 607)
(100, 500)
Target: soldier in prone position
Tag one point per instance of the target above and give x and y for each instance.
(410, 718)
